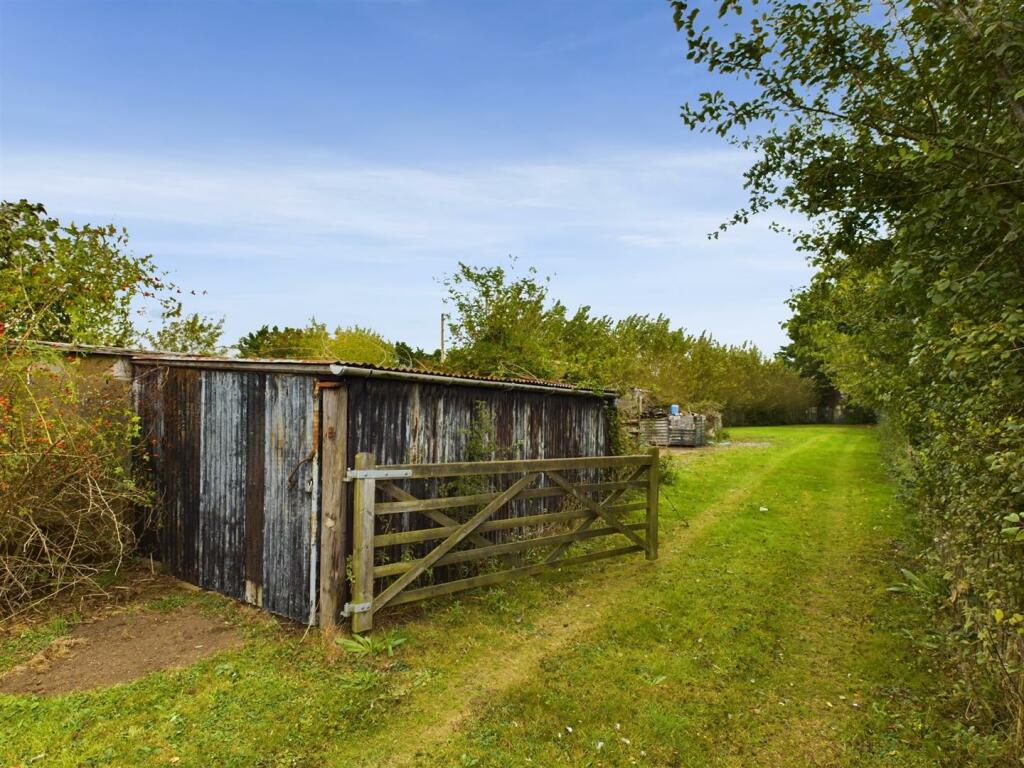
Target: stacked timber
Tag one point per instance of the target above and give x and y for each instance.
(679, 430)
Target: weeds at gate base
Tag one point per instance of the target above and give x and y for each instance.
(367, 646)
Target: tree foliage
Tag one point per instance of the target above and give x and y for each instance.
(506, 324)
(81, 283)
(190, 334)
(897, 130)
(314, 342)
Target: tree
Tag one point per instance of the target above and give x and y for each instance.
(501, 326)
(72, 283)
(416, 357)
(898, 132)
(68, 283)
(507, 325)
(191, 335)
(315, 342)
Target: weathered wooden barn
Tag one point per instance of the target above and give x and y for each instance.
(249, 458)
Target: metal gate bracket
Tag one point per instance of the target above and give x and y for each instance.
(351, 608)
(377, 474)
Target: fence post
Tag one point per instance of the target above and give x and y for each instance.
(362, 545)
(653, 476)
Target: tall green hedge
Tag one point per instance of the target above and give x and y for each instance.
(897, 131)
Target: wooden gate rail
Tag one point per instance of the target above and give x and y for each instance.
(606, 514)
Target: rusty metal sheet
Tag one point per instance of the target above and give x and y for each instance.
(233, 463)
(287, 495)
(406, 422)
(222, 470)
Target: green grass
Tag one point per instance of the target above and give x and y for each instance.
(758, 638)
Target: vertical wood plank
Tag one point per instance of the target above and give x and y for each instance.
(334, 442)
(362, 544)
(653, 477)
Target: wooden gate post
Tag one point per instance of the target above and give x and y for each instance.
(333, 538)
(362, 546)
(653, 476)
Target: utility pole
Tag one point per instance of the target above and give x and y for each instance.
(443, 318)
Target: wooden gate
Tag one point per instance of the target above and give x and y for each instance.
(624, 485)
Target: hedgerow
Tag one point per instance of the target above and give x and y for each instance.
(68, 496)
(897, 130)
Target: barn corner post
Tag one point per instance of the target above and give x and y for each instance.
(362, 546)
(653, 479)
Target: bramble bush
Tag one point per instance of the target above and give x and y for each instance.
(68, 497)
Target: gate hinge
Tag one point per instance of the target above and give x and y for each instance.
(351, 608)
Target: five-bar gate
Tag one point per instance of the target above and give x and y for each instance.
(599, 496)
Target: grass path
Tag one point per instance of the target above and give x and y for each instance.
(763, 636)
(518, 659)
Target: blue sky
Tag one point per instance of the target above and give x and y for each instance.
(336, 158)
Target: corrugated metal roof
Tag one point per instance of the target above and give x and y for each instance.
(94, 349)
(315, 367)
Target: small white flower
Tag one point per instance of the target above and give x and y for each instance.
(600, 745)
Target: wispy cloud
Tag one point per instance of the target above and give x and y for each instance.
(655, 194)
(345, 220)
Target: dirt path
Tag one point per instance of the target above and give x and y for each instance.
(119, 648)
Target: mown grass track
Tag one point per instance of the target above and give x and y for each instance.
(764, 635)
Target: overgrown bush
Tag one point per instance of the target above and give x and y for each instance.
(67, 492)
(67, 495)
